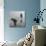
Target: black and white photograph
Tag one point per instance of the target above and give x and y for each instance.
(17, 19)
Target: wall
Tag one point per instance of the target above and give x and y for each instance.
(30, 7)
(42, 6)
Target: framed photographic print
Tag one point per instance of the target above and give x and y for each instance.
(17, 19)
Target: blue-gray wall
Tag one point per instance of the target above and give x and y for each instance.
(30, 7)
(43, 6)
